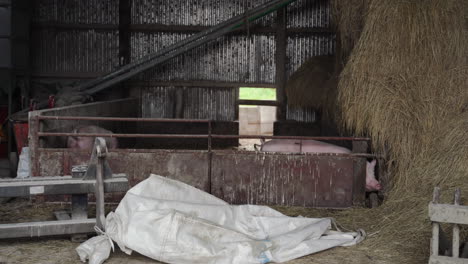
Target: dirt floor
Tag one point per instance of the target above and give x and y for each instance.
(62, 250)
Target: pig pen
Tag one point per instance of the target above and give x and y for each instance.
(207, 161)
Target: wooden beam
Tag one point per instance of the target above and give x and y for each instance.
(58, 186)
(125, 19)
(258, 102)
(280, 60)
(47, 228)
(448, 213)
(214, 84)
(152, 28)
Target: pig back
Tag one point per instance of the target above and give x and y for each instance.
(88, 142)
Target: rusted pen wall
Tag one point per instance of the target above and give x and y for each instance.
(83, 39)
(236, 177)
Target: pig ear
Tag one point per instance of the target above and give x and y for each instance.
(373, 162)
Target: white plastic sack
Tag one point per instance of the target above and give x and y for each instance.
(173, 222)
(24, 168)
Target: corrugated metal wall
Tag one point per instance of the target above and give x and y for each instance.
(62, 48)
(198, 102)
(80, 39)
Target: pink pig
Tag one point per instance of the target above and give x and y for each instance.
(313, 146)
(87, 143)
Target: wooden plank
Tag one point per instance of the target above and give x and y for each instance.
(47, 228)
(69, 186)
(447, 213)
(435, 239)
(446, 260)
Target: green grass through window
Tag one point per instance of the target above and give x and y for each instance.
(248, 93)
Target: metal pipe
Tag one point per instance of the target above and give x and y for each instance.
(49, 134)
(294, 137)
(45, 134)
(125, 119)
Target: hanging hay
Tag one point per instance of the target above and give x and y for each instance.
(348, 17)
(406, 85)
(308, 86)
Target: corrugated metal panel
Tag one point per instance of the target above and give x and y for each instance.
(301, 114)
(158, 102)
(198, 103)
(205, 103)
(77, 11)
(307, 13)
(231, 59)
(189, 13)
(301, 48)
(74, 51)
(239, 58)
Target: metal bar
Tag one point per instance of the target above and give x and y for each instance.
(125, 119)
(45, 134)
(258, 102)
(293, 137)
(47, 228)
(209, 84)
(62, 186)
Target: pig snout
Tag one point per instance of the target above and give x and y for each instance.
(87, 143)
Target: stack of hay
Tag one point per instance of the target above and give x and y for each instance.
(405, 84)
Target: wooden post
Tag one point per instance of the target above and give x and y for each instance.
(125, 20)
(79, 208)
(33, 140)
(456, 228)
(435, 226)
(280, 60)
(359, 173)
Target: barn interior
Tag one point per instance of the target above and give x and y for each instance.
(385, 79)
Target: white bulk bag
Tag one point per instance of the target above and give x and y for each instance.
(173, 222)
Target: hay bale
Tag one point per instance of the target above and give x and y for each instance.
(405, 85)
(308, 86)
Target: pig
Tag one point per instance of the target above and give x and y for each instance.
(313, 146)
(87, 143)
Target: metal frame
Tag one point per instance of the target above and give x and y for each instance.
(360, 144)
(97, 180)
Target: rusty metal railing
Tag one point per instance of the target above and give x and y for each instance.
(37, 133)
